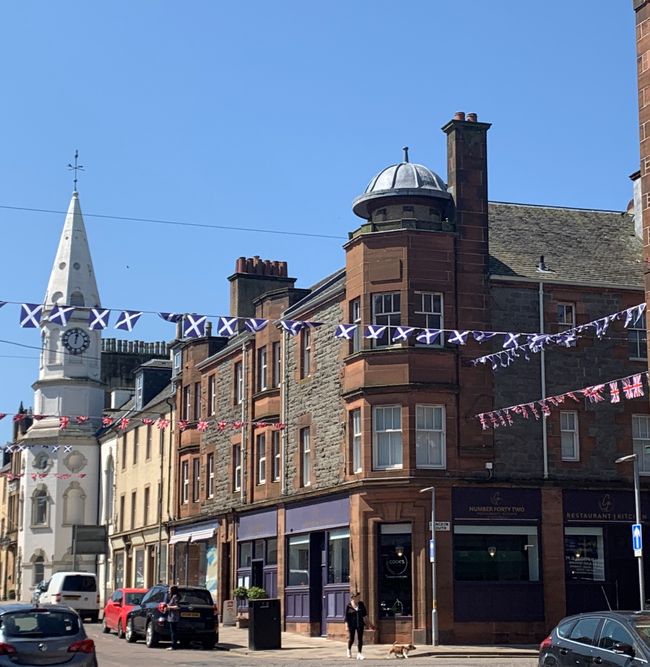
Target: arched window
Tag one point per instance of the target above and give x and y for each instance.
(74, 504)
(39, 569)
(40, 506)
(77, 299)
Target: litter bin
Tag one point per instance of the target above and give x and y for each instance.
(264, 624)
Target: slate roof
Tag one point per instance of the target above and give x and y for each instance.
(579, 245)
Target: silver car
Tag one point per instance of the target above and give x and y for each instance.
(47, 635)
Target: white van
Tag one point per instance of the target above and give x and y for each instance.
(75, 589)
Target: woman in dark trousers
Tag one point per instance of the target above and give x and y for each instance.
(173, 614)
(356, 616)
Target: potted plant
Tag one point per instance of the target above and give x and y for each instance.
(241, 595)
(256, 593)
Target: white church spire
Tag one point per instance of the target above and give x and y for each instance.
(72, 280)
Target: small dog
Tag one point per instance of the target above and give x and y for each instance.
(401, 650)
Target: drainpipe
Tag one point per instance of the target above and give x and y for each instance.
(542, 370)
(161, 454)
(170, 402)
(243, 459)
(284, 388)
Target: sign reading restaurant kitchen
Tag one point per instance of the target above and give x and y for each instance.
(495, 503)
(602, 506)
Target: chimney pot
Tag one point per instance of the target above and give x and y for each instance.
(472, 117)
(240, 265)
(459, 115)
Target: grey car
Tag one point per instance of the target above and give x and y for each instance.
(43, 635)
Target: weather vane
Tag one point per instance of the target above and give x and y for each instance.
(77, 167)
(406, 153)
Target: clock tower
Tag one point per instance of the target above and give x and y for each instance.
(61, 465)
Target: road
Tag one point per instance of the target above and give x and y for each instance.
(113, 652)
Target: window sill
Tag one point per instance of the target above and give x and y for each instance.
(387, 468)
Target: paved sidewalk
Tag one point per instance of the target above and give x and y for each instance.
(319, 648)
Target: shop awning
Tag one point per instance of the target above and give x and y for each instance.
(205, 534)
(175, 539)
(195, 532)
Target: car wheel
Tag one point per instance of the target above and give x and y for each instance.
(120, 630)
(208, 644)
(105, 629)
(151, 636)
(130, 635)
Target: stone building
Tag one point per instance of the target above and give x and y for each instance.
(308, 479)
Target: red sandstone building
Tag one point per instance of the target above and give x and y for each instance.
(531, 519)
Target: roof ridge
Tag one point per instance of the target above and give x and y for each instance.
(560, 208)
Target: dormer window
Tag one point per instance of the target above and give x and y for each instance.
(178, 361)
(139, 387)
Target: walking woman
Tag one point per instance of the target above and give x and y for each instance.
(173, 615)
(356, 616)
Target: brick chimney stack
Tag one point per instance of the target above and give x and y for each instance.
(252, 278)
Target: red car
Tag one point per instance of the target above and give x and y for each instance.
(118, 606)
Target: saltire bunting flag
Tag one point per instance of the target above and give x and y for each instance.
(60, 315)
(127, 320)
(3, 303)
(402, 333)
(255, 324)
(429, 336)
(374, 331)
(632, 315)
(67, 448)
(458, 337)
(345, 331)
(194, 326)
(98, 318)
(227, 326)
(30, 315)
(171, 317)
(313, 325)
(511, 340)
(292, 327)
(601, 326)
(483, 336)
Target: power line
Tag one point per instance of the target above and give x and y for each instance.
(179, 223)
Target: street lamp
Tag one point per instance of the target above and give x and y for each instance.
(432, 558)
(637, 511)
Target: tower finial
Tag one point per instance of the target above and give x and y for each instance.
(77, 167)
(406, 153)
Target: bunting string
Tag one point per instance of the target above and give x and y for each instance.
(632, 386)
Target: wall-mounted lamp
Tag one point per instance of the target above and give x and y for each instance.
(529, 546)
(399, 551)
(492, 551)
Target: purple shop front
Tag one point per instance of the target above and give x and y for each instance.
(257, 551)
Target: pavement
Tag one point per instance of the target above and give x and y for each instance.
(235, 640)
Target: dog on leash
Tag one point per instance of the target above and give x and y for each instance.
(400, 650)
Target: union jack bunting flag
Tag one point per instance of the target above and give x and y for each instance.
(194, 326)
(60, 315)
(98, 318)
(30, 315)
(255, 324)
(127, 320)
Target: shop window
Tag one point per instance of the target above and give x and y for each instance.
(119, 569)
(430, 436)
(355, 318)
(245, 554)
(298, 561)
(261, 458)
(386, 311)
(275, 445)
(305, 456)
(261, 369)
(428, 312)
(272, 551)
(636, 338)
(276, 371)
(355, 434)
(584, 554)
(395, 583)
(496, 553)
(338, 556)
(138, 578)
(387, 436)
(641, 441)
(569, 435)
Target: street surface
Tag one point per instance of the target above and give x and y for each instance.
(114, 652)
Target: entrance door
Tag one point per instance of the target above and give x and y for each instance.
(257, 573)
(316, 616)
(323, 622)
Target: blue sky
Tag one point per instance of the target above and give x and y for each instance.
(275, 115)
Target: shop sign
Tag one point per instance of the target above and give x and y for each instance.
(396, 567)
(229, 615)
(602, 506)
(495, 503)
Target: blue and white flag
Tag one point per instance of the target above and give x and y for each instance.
(171, 317)
(601, 326)
(510, 340)
(632, 315)
(402, 333)
(30, 315)
(458, 337)
(292, 327)
(60, 315)
(194, 326)
(374, 331)
(255, 324)
(98, 318)
(345, 331)
(67, 448)
(429, 336)
(127, 320)
(2, 303)
(483, 336)
(227, 326)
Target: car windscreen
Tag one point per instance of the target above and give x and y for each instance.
(79, 583)
(642, 627)
(39, 624)
(133, 598)
(194, 597)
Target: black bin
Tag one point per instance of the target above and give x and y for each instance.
(264, 625)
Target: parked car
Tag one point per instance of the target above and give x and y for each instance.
(118, 606)
(39, 588)
(76, 589)
(608, 638)
(198, 617)
(43, 635)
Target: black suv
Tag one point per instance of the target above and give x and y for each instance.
(198, 617)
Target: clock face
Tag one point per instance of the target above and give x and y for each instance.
(76, 341)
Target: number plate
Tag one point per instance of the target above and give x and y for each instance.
(71, 597)
(190, 614)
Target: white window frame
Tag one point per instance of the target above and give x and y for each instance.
(569, 431)
(236, 450)
(139, 387)
(209, 475)
(395, 442)
(305, 455)
(178, 361)
(391, 318)
(356, 435)
(564, 307)
(196, 479)
(355, 317)
(41, 492)
(185, 482)
(262, 367)
(212, 394)
(305, 352)
(641, 442)
(425, 437)
(187, 401)
(276, 371)
(238, 372)
(276, 453)
(637, 337)
(432, 318)
(260, 448)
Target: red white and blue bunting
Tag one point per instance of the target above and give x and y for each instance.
(631, 386)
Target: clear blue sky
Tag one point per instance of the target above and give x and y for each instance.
(275, 115)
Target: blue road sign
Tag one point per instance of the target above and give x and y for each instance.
(432, 551)
(637, 537)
